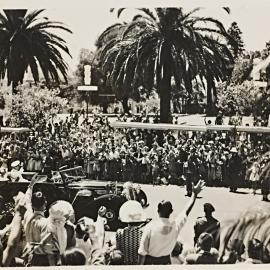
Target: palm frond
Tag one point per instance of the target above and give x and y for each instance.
(187, 15)
(32, 17)
(149, 13)
(227, 9)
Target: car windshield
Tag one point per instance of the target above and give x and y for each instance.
(76, 172)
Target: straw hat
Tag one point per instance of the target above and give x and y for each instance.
(132, 212)
(234, 150)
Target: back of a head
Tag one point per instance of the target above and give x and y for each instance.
(165, 208)
(116, 258)
(73, 256)
(38, 200)
(255, 249)
(208, 208)
(205, 241)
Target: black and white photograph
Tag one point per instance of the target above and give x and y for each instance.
(134, 133)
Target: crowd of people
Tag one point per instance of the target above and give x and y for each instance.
(35, 237)
(39, 238)
(142, 156)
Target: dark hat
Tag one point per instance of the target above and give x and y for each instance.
(208, 207)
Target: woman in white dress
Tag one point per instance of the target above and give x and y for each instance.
(254, 176)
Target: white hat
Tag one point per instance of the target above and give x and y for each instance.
(57, 212)
(132, 211)
(234, 150)
(127, 185)
(15, 163)
(66, 207)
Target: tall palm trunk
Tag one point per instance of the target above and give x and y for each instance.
(210, 106)
(164, 89)
(125, 105)
(14, 88)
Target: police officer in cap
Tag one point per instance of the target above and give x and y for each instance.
(207, 224)
(235, 168)
(191, 171)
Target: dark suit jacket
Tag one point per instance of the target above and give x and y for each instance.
(202, 257)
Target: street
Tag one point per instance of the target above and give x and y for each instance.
(228, 205)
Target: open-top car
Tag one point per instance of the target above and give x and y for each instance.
(86, 195)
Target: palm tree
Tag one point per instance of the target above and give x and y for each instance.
(27, 42)
(106, 41)
(167, 44)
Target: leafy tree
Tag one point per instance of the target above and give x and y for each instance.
(241, 71)
(34, 105)
(237, 98)
(266, 51)
(27, 42)
(245, 99)
(236, 42)
(86, 57)
(165, 44)
(256, 54)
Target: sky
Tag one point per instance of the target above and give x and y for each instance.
(88, 18)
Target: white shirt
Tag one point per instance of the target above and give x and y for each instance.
(34, 225)
(159, 237)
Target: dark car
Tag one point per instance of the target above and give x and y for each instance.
(86, 195)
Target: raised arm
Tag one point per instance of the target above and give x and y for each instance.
(29, 191)
(15, 234)
(196, 190)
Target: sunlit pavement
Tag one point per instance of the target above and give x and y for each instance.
(228, 205)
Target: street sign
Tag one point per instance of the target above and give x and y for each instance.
(87, 75)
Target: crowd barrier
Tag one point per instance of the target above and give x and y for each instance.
(198, 128)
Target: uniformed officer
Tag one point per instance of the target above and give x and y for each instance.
(207, 224)
(234, 170)
(191, 171)
(265, 181)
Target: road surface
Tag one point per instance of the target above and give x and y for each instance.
(228, 205)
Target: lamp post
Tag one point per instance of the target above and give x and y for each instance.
(87, 87)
